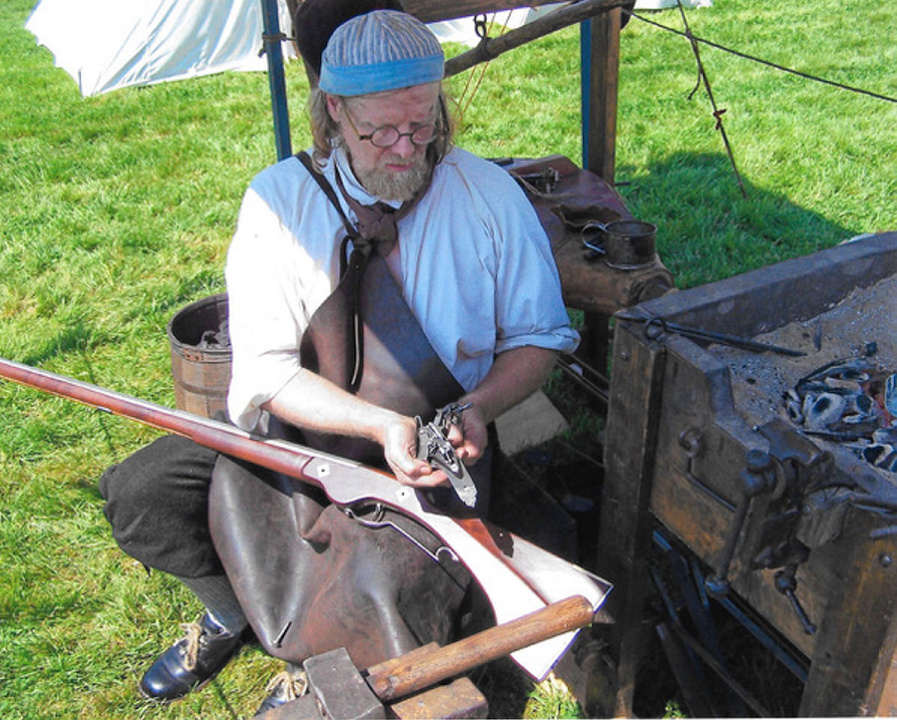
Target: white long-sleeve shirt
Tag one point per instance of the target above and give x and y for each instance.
(476, 270)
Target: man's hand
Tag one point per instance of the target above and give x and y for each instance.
(311, 402)
(400, 450)
(469, 437)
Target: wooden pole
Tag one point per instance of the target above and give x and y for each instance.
(491, 48)
(601, 62)
(433, 10)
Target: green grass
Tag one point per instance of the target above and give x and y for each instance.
(116, 211)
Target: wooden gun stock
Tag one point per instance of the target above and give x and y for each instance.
(518, 577)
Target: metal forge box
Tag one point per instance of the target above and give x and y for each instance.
(708, 443)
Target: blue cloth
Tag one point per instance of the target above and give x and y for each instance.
(366, 79)
(379, 51)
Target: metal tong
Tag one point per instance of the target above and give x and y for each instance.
(655, 327)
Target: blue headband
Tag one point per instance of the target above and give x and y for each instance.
(379, 51)
(379, 77)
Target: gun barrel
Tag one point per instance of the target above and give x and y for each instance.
(283, 457)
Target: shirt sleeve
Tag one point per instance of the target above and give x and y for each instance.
(264, 273)
(529, 305)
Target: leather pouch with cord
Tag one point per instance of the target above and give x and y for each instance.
(312, 577)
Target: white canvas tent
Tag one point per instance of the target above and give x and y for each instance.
(109, 44)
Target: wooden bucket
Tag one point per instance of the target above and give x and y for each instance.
(201, 357)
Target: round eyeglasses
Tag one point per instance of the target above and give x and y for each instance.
(386, 136)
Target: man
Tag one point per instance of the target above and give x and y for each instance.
(452, 296)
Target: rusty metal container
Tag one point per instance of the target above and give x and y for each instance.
(201, 357)
(795, 527)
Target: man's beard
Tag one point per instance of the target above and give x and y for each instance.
(397, 186)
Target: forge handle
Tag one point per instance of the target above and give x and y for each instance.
(431, 664)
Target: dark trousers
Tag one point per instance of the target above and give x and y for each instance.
(157, 501)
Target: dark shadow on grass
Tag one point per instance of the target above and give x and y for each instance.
(177, 294)
(79, 336)
(81, 339)
(708, 231)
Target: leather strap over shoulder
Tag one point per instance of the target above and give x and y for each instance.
(323, 183)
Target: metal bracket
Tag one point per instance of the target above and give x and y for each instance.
(692, 442)
(785, 477)
(757, 478)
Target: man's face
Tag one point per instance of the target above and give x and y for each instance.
(397, 172)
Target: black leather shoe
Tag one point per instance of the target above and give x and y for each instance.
(284, 687)
(191, 662)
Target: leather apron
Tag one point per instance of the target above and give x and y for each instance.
(310, 577)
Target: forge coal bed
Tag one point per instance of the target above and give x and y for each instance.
(721, 448)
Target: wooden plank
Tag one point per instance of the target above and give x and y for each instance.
(882, 694)
(460, 699)
(433, 10)
(625, 525)
(855, 643)
(533, 421)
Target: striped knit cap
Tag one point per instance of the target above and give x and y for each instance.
(381, 50)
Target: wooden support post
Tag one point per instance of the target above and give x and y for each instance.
(600, 60)
(432, 10)
(625, 526)
(852, 671)
(600, 67)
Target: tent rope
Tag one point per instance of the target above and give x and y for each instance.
(717, 112)
(482, 30)
(807, 76)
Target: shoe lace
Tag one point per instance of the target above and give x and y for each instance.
(193, 634)
(292, 685)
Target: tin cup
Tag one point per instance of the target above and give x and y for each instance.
(625, 244)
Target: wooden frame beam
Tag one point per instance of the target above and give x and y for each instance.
(434, 10)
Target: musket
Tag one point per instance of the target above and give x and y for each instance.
(517, 576)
